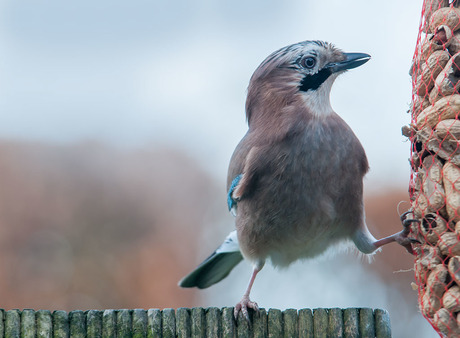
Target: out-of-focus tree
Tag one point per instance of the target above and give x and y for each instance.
(91, 226)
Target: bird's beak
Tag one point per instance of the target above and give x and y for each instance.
(352, 60)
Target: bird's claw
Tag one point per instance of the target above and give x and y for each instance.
(243, 306)
(407, 222)
(402, 237)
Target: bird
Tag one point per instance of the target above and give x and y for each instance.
(295, 180)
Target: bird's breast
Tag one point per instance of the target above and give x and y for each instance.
(308, 196)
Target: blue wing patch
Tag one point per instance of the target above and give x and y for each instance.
(230, 201)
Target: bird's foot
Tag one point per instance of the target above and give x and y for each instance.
(402, 237)
(244, 304)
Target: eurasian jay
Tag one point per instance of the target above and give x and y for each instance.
(295, 180)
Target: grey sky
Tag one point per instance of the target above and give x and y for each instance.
(153, 72)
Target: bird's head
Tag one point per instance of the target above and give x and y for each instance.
(300, 76)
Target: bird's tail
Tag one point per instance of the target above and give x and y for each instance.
(216, 267)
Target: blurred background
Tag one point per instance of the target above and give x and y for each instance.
(117, 122)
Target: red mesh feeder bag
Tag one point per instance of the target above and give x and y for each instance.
(435, 161)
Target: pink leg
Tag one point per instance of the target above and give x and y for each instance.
(245, 302)
(397, 237)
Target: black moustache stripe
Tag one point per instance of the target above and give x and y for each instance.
(312, 82)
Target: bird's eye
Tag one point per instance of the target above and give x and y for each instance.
(308, 62)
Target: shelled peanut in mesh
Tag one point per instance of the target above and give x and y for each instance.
(435, 192)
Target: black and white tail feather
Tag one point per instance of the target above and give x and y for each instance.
(217, 266)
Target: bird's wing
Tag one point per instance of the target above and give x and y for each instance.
(217, 266)
(231, 201)
(244, 181)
